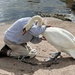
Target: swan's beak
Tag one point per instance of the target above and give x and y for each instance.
(24, 31)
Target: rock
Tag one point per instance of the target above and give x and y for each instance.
(73, 6)
(35, 1)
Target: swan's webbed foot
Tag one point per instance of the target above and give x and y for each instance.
(54, 57)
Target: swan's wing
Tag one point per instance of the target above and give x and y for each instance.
(67, 33)
(74, 39)
(59, 37)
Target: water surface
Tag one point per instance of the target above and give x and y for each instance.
(15, 9)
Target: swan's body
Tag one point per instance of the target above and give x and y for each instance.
(60, 38)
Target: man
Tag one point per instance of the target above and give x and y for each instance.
(16, 39)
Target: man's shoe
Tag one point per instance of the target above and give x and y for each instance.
(32, 53)
(4, 50)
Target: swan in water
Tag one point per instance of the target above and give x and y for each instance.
(60, 38)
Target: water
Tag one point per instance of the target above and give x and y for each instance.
(15, 9)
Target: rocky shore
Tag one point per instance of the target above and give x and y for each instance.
(63, 66)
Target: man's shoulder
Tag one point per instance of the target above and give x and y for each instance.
(24, 19)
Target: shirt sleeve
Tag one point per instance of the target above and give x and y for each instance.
(37, 30)
(36, 40)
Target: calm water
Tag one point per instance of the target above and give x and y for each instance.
(14, 9)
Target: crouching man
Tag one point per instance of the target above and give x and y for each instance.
(16, 39)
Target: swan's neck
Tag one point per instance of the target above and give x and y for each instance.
(35, 18)
(29, 24)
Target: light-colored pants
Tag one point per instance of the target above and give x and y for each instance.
(17, 50)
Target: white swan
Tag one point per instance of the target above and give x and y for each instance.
(60, 38)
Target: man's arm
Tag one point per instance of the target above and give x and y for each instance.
(36, 40)
(37, 30)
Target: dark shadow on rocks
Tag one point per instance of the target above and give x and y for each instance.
(31, 65)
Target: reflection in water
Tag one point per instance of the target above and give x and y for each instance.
(69, 3)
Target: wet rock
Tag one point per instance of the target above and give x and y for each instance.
(73, 6)
(70, 17)
(35, 1)
(59, 16)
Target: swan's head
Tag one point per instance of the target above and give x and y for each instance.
(29, 24)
